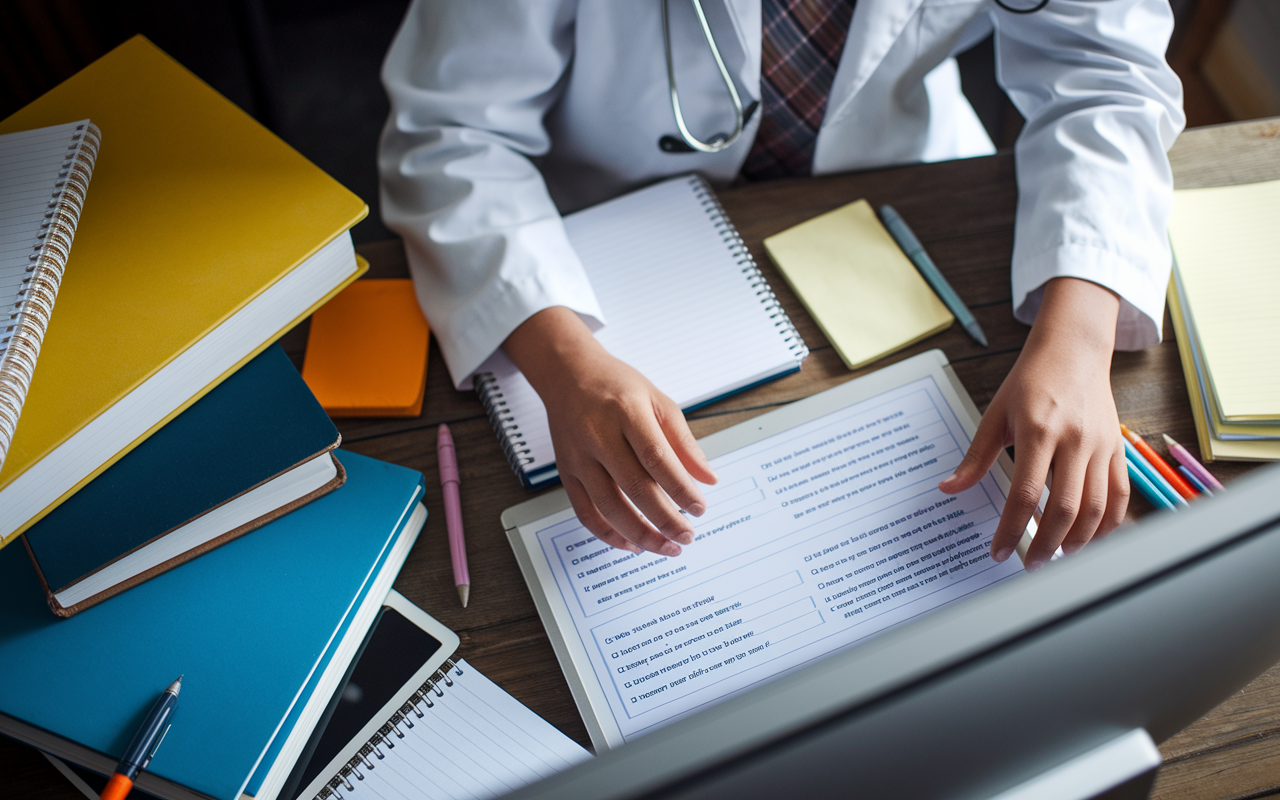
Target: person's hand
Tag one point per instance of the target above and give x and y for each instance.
(1056, 409)
(624, 452)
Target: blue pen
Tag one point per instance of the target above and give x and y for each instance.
(1194, 481)
(1146, 487)
(1154, 477)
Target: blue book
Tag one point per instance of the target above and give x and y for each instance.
(255, 447)
(251, 625)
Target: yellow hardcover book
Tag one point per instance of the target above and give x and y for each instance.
(861, 289)
(204, 239)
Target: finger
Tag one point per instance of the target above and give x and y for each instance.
(1065, 490)
(590, 516)
(649, 442)
(676, 429)
(622, 516)
(1024, 495)
(645, 494)
(1093, 504)
(1117, 493)
(991, 437)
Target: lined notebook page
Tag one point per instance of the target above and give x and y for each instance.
(683, 304)
(477, 741)
(1227, 244)
(30, 163)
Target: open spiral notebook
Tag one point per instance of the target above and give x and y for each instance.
(44, 176)
(684, 302)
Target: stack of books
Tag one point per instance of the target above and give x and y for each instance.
(1223, 300)
(155, 242)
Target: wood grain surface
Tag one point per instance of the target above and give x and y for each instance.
(963, 212)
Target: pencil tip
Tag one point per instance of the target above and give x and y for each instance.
(464, 593)
(1169, 440)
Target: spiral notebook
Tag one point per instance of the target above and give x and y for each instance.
(684, 303)
(410, 720)
(44, 176)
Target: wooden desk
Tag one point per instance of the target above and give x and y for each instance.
(963, 211)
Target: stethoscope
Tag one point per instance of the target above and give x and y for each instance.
(687, 142)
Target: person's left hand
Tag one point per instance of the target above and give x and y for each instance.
(1056, 409)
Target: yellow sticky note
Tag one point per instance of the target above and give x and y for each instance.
(860, 288)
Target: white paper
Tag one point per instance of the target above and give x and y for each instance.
(30, 164)
(815, 539)
(475, 741)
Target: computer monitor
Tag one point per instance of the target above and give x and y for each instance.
(1145, 631)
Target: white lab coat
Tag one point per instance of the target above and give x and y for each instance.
(506, 114)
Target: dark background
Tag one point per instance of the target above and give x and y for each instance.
(308, 69)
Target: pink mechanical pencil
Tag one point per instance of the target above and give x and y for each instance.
(453, 511)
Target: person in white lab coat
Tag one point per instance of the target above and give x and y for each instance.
(506, 115)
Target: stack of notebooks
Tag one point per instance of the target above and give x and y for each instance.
(201, 239)
(1223, 300)
(154, 243)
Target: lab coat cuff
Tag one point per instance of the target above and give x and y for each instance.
(1141, 290)
(501, 306)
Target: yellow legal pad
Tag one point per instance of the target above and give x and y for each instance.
(1223, 300)
(196, 211)
(860, 288)
(1227, 243)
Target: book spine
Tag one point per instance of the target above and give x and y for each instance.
(27, 323)
(750, 269)
(504, 425)
(371, 751)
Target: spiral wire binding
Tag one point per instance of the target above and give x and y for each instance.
(758, 282)
(29, 319)
(371, 751)
(504, 425)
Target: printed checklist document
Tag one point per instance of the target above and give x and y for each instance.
(824, 531)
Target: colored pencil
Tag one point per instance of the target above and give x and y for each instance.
(1193, 480)
(1145, 486)
(1161, 466)
(1193, 466)
(1156, 479)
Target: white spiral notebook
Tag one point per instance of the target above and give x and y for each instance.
(44, 176)
(684, 302)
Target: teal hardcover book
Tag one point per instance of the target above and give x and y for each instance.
(254, 448)
(251, 625)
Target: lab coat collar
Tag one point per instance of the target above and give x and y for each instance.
(876, 25)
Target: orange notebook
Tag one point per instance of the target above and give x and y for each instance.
(367, 351)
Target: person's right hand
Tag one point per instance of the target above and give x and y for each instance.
(624, 452)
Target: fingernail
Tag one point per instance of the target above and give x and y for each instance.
(685, 538)
(1002, 554)
(1071, 547)
(669, 549)
(635, 548)
(697, 509)
(1034, 566)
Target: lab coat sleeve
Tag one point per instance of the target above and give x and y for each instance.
(1094, 184)
(470, 84)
